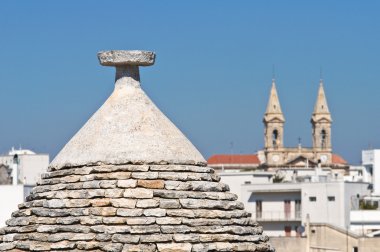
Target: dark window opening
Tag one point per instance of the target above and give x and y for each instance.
(288, 231)
(323, 138)
(275, 138)
(259, 209)
(313, 199)
(331, 198)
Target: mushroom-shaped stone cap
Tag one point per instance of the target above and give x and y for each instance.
(126, 57)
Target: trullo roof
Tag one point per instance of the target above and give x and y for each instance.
(129, 180)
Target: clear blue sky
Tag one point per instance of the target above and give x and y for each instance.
(212, 74)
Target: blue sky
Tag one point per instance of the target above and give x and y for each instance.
(212, 74)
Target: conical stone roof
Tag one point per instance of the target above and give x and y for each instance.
(129, 180)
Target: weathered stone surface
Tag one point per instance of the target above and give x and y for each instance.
(91, 184)
(108, 229)
(82, 237)
(193, 238)
(39, 246)
(175, 229)
(126, 238)
(63, 228)
(144, 175)
(139, 248)
(168, 221)
(6, 246)
(129, 212)
(103, 211)
(117, 168)
(213, 204)
(226, 229)
(145, 137)
(138, 193)
(144, 229)
(173, 194)
(180, 213)
(157, 212)
(108, 184)
(201, 213)
(112, 247)
(217, 246)
(100, 202)
(156, 238)
(62, 245)
(121, 57)
(88, 245)
(185, 176)
(153, 184)
(125, 203)
(103, 237)
(113, 193)
(217, 221)
(65, 221)
(22, 213)
(169, 203)
(174, 247)
(128, 183)
(147, 203)
(181, 168)
(141, 221)
(113, 220)
(91, 220)
(104, 176)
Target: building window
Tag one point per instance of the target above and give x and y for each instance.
(331, 198)
(355, 249)
(288, 231)
(313, 199)
(259, 209)
(287, 207)
(323, 138)
(275, 138)
(298, 208)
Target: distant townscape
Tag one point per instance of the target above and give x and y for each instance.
(306, 192)
(308, 199)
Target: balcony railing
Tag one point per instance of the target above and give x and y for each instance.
(277, 216)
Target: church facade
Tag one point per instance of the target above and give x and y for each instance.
(275, 155)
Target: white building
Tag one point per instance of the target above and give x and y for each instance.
(19, 172)
(282, 207)
(371, 163)
(24, 166)
(281, 200)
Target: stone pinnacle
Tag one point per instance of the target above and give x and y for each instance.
(127, 64)
(128, 127)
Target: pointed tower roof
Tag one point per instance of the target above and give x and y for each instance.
(273, 108)
(128, 128)
(321, 109)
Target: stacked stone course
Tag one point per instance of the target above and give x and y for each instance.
(132, 208)
(160, 206)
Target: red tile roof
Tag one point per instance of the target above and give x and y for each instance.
(234, 159)
(336, 159)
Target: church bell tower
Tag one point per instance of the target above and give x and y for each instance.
(321, 124)
(274, 122)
